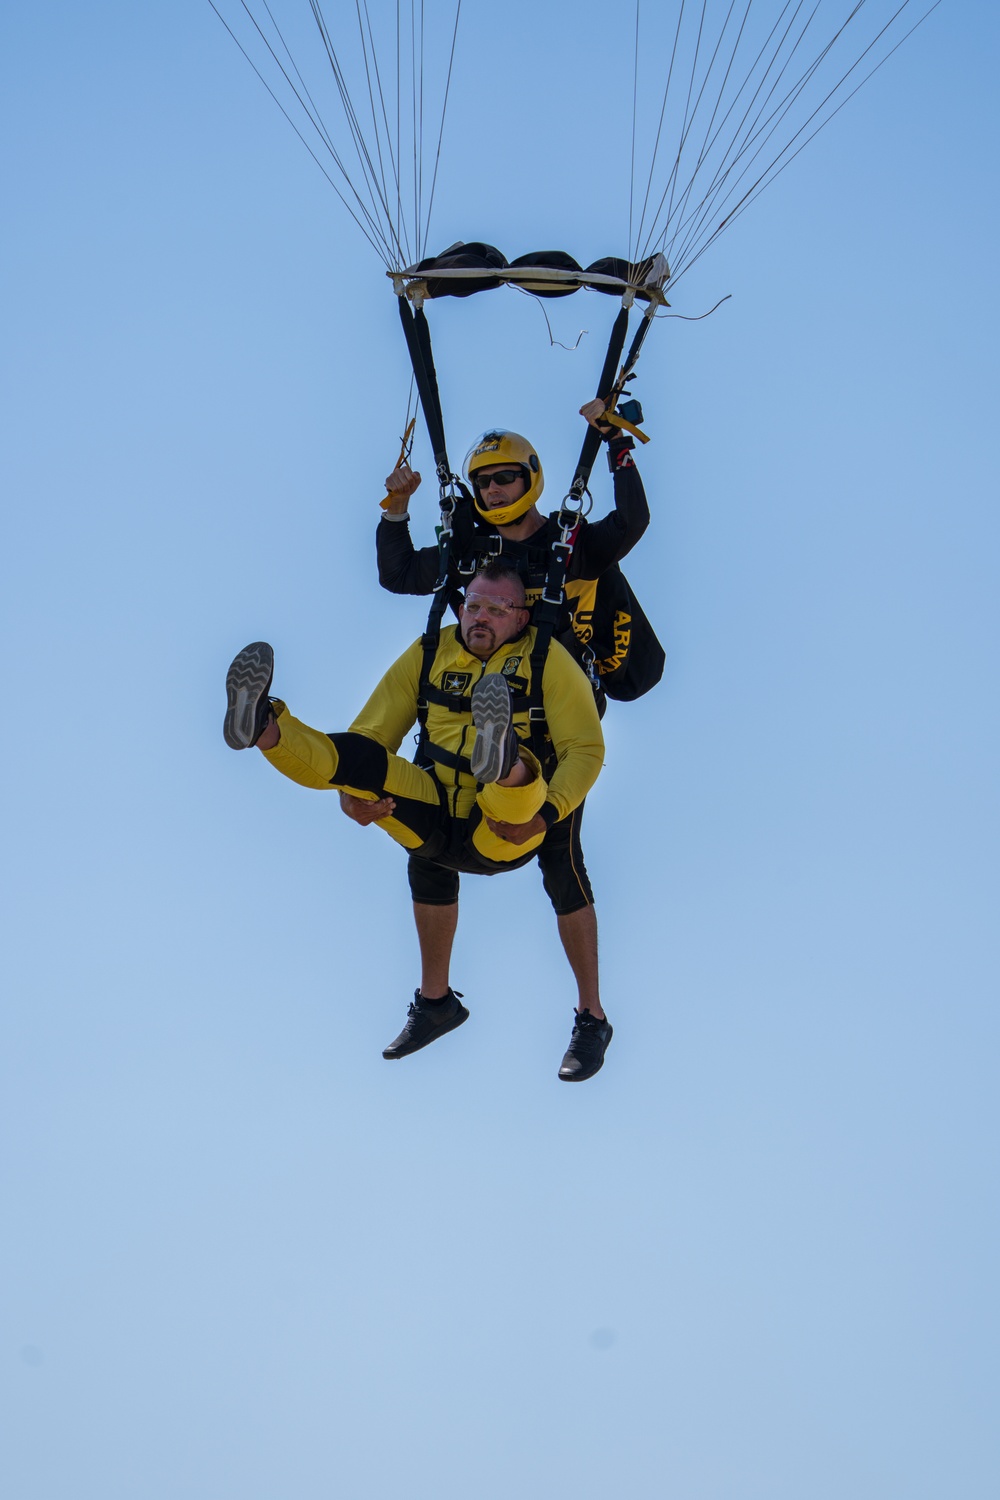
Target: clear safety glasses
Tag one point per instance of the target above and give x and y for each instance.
(475, 604)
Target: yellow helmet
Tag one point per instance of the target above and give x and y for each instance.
(499, 446)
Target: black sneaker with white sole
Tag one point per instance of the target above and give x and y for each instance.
(497, 745)
(587, 1046)
(248, 707)
(426, 1020)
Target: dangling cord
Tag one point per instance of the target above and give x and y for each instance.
(405, 448)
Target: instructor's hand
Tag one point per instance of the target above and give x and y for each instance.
(399, 486)
(518, 833)
(594, 411)
(362, 812)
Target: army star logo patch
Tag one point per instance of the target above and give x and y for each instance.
(455, 682)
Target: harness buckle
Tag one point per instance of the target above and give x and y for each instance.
(588, 666)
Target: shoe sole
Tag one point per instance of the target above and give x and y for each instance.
(582, 1077)
(491, 716)
(391, 1056)
(247, 680)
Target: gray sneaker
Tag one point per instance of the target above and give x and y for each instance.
(497, 744)
(248, 707)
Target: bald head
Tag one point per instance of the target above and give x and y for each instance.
(497, 571)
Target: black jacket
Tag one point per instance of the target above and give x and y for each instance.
(405, 569)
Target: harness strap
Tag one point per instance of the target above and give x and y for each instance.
(418, 343)
(520, 703)
(629, 364)
(448, 758)
(592, 441)
(616, 420)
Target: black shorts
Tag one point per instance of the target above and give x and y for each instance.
(560, 858)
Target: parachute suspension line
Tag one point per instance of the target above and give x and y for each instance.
(354, 125)
(313, 110)
(688, 122)
(315, 119)
(419, 204)
(694, 224)
(411, 408)
(732, 87)
(774, 170)
(631, 177)
(365, 46)
(690, 226)
(670, 190)
(367, 224)
(422, 245)
(414, 95)
(659, 128)
(399, 122)
(709, 139)
(682, 138)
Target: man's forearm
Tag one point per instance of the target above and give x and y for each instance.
(403, 568)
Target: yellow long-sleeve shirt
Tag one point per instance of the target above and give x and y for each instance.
(573, 723)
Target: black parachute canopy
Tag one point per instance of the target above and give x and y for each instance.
(464, 269)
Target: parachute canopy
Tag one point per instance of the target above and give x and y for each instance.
(459, 272)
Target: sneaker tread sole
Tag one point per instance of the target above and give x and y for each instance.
(247, 680)
(491, 716)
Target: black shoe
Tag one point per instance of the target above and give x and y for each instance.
(249, 707)
(425, 1023)
(497, 744)
(587, 1046)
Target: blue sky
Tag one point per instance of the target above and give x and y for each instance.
(755, 1259)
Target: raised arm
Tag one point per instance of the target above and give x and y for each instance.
(609, 540)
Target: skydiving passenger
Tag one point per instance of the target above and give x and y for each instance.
(487, 803)
(504, 520)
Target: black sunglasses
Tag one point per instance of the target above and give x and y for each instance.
(502, 477)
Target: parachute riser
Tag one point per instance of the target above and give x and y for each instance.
(418, 343)
(632, 357)
(592, 441)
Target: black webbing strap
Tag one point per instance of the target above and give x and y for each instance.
(631, 358)
(592, 441)
(549, 606)
(456, 703)
(448, 758)
(545, 618)
(418, 343)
